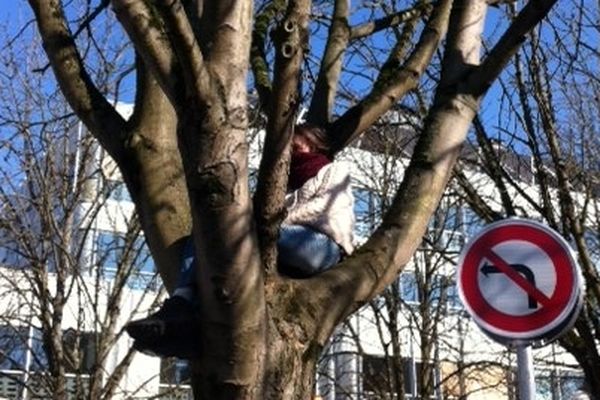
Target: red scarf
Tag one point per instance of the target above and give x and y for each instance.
(304, 166)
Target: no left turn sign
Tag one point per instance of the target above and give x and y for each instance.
(520, 282)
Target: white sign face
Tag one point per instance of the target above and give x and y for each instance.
(519, 281)
(531, 262)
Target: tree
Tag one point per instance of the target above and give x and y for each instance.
(62, 301)
(543, 161)
(183, 156)
(418, 316)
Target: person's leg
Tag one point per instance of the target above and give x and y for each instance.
(171, 331)
(304, 252)
(186, 283)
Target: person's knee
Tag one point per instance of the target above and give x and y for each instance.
(296, 267)
(305, 267)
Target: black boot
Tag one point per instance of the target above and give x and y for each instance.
(172, 331)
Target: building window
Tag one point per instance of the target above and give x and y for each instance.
(117, 190)
(472, 222)
(452, 297)
(558, 385)
(416, 380)
(174, 371)
(252, 180)
(367, 211)
(114, 252)
(378, 377)
(451, 241)
(13, 345)
(592, 241)
(409, 288)
(21, 349)
(80, 351)
(109, 247)
(10, 257)
(175, 380)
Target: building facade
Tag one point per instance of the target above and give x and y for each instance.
(413, 342)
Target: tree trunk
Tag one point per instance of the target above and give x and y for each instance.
(290, 353)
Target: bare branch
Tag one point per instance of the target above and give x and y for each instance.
(508, 45)
(148, 35)
(77, 86)
(338, 38)
(258, 57)
(377, 263)
(362, 115)
(269, 210)
(389, 21)
(340, 35)
(186, 47)
(91, 17)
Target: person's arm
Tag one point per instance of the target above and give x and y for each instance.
(317, 195)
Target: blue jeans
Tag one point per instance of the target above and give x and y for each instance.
(187, 267)
(303, 252)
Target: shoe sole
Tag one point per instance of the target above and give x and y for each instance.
(184, 350)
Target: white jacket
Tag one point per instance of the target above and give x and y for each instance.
(326, 204)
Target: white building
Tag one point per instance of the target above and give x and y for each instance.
(96, 260)
(420, 323)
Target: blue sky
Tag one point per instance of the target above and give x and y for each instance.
(16, 13)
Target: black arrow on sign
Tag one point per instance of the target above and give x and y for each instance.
(520, 268)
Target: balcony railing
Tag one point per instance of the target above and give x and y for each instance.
(11, 385)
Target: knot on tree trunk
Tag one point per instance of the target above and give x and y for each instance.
(217, 182)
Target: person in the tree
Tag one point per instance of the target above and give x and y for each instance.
(316, 233)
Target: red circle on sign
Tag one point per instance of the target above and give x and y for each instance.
(559, 303)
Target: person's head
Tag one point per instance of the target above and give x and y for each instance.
(309, 138)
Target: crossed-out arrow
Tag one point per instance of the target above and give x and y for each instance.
(520, 268)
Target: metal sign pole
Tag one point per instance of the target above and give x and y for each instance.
(525, 375)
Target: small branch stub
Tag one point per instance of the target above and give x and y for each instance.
(287, 50)
(218, 183)
(289, 26)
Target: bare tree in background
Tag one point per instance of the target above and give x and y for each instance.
(183, 153)
(543, 156)
(63, 282)
(418, 323)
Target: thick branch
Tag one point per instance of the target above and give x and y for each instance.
(359, 117)
(508, 45)
(377, 263)
(340, 35)
(291, 42)
(155, 175)
(323, 98)
(389, 21)
(186, 47)
(231, 41)
(258, 56)
(77, 86)
(147, 34)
